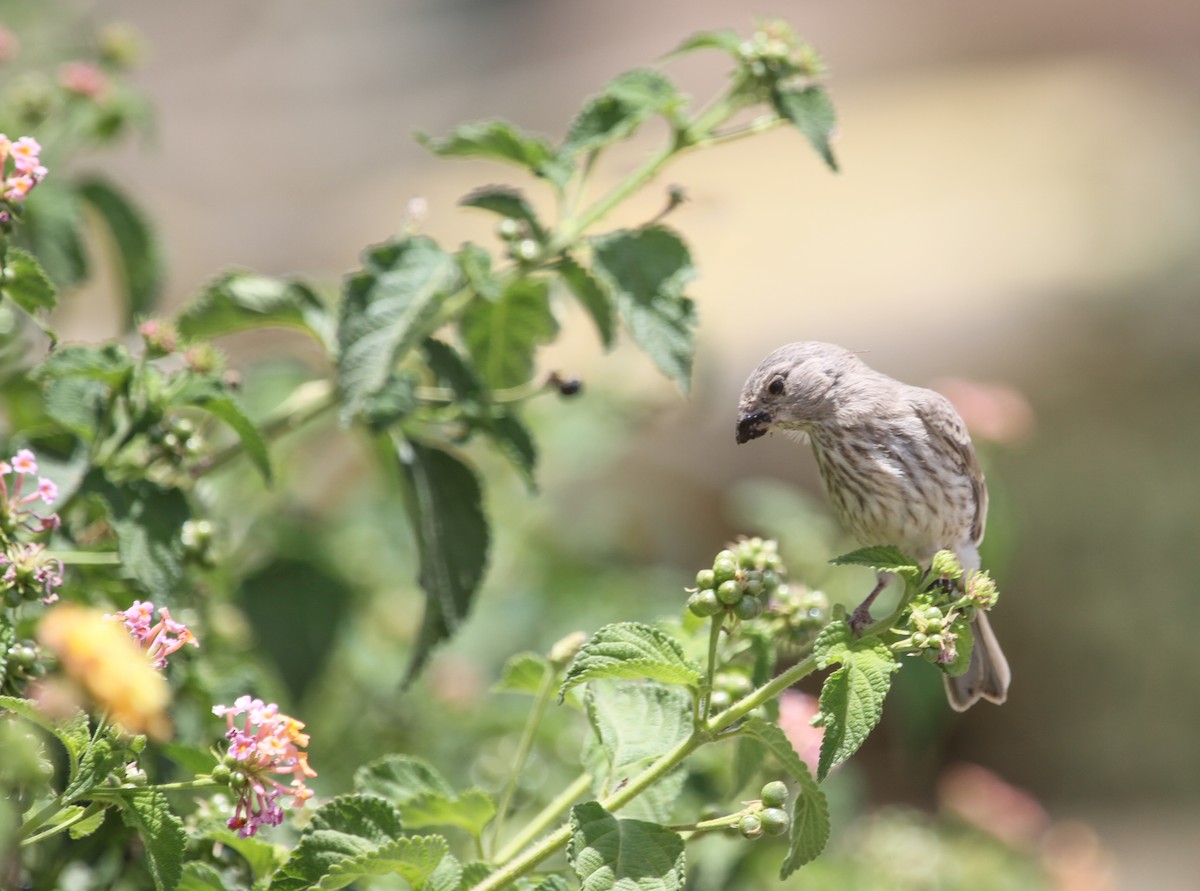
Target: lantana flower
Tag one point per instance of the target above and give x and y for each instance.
(28, 571)
(159, 639)
(267, 742)
(27, 169)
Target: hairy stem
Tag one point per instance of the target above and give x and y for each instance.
(545, 817)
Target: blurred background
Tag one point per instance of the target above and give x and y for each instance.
(1016, 223)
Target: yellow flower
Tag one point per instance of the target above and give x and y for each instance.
(103, 659)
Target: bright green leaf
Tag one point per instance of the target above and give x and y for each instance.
(502, 336)
(413, 859)
(100, 757)
(810, 111)
(631, 650)
(851, 701)
(724, 39)
(553, 883)
(346, 831)
(109, 364)
(647, 271)
(476, 266)
(200, 876)
(262, 857)
(241, 301)
(881, 558)
(626, 103)
(500, 141)
(446, 510)
(147, 519)
(163, 838)
(447, 877)
(470, 811)
(810, 812)
(388, 308)
(400, 779)
(523, 673)
(25, 282)
(597, 301)
(608, 854)
(136, 248)
(633, 724)
(88, 824)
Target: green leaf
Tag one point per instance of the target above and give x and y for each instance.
(631, 650)
(200, 876)
(452, 371)
(810, 111)
(630, 100)
(633, 724)
(387, 309)
(136, 248)
(597, 301)
(447, 877)
(608, 854)
(500, 141)
(810, 812)
(193, 759)
(523, 673)
(25, 282)
(391, 403)
(88, 824)
(647, 271)
(446, 510)
(553, 883)
(507, 202)
(353, 837)
(163, 838)
(242, 301)
(73, 732)
(52, 231)
(211, 394)
(8, 636)
(147, 519)
(881, 558)
(723, 39)
(400, 779)
(514, 441)
(476, 266)
(852, 697)
(963, 647)
(470, 811)
(474, 873)
(502, 336)
(109, 364)
(262, 857)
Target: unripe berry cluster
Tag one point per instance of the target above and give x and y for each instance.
(522, 246)
(767, 816)
(742, 580)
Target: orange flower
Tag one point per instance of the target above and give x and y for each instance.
(106, 662)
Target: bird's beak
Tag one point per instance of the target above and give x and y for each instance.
(753, 425)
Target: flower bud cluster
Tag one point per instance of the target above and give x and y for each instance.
(742, 580)
(774, 51)
(929, 631)
(29, 573)
(766, 816)
(159, 639)
(948, 598)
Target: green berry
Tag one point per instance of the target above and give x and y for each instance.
(704, 603)
(748, 608)
(750, 826)
(771, 580)
(508, 229)
(729, 592)
(706, 579)
(774, 821)
(221, 774)
(719, 700)
(774, 794)
(724, 570)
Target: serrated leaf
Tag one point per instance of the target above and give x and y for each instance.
(647, 270)
(73, 732)
(262, 857)
(608, 854)
(851, 701)
(78, 404)
(346, 831)
(400, 779)
(502, 336)
(514, 441)
(553, 883)
(476, 266)
(88, 824)
(632, 724)
(626, 103)
(881, 558)
(470, 811)
(507, 202)
(810, 811)
(809, 111)
(163, 838)
(500, 141)
(99, 758)
(447, 877)
(474, 873)
(387, 309)
(211, 394)
(523, 673)
(147, 519)
(412, 859)
(631, 650)
(52, 231)
(446, 509)
(242, 301)
(391, 403)
(136, 249)
(597, 301)
(723, 39)
(109, 364)
(451, 370)
(25, 283)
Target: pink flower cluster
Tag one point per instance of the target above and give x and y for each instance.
(159, 639)
(83, 79)
(28, 571)
(27, 169)
(268, 742)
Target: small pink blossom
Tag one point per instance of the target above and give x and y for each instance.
(268, 742)
(33, 573)
(83, 79)
(48, 490)
(9, 45)
(159, 640)
(25, 461)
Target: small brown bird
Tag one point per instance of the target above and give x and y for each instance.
(897, 464)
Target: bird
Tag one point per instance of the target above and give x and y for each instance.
(898, 466)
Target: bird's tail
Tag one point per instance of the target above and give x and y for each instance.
(987, 676)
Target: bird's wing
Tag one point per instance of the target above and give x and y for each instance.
(949, 434)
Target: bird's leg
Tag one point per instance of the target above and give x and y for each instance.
(861, 617)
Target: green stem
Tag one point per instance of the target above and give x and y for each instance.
(66, 824)
(544, 694)
(714, 638)
(708, 825)
(545, 817)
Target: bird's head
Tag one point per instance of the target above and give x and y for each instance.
(791, 389)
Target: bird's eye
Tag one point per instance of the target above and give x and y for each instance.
(775, 387)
